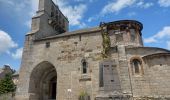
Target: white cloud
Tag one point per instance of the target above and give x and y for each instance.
(85, 1)
(118, 5)
(147, 5)
(93, 18)
(34, 6)
(115, 7)
(32, 11)
(168, 45)
(130, 14)
(142, 4)
(74, 13)
(8, 2)
(164, 33)
(20, 7)
(90, 19)
(17, 54)
(150, 40)
(28, 23)
(164, 3)
(163, 36)
(6, 42)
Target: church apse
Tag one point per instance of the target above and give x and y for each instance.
(125, 32)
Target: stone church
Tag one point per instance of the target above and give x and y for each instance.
(107, 62)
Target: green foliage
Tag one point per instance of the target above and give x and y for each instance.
(7, 85)
(84, 96)
(106, 42)
(83, 93)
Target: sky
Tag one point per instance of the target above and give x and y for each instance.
(15, 21)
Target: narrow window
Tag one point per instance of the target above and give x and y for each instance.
(136, 66)
(52, 14)
(133, 35)
(47, 44)
(79, 37)
(52, 11)
(84, 66)
(101, 83)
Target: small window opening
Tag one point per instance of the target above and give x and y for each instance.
(79, 37)
(47, 44)
(84, 66)
(101, 82)
(52, 14)
(52, 11)
(137, 66)
(133, 35)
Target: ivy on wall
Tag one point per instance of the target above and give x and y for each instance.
(106, 40)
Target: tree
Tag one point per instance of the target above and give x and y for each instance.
(7, 85)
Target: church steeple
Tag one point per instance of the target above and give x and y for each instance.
(45, 5)
(42, 4)
(49, 20)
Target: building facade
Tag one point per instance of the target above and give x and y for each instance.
(6, 69)
(106, 62)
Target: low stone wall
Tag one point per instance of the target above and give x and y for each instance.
(9, 96)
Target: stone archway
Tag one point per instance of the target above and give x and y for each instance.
(43, 82)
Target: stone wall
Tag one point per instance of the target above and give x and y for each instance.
(153, 80)
(158, 69)
(9, 96)
(65, 54)
(66, 51)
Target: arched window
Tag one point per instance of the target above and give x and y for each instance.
(136, 66)
(84, 66)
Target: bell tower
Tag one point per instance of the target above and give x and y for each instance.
(48, 21)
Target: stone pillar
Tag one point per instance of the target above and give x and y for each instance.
(125, 80)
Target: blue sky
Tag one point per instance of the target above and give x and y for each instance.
(15, 20)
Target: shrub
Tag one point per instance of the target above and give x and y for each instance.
(7, 85)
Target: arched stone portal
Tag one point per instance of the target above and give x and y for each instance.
(43, 82)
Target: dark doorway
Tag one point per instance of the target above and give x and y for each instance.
(43, 82)
(53, 91)
(53, 86)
